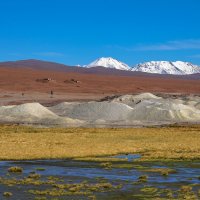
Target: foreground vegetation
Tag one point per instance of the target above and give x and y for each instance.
(176, 143)
(43, 188)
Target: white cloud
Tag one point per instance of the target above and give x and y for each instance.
(49, 54)
(172, 45)
(195, 56)
(167, 46)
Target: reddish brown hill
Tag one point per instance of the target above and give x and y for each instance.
(37, 79)
(52, 66)
(22, 79)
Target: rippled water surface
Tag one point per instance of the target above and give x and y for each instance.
(118, 174)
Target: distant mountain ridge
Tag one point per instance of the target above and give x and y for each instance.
(112, 66)
(34, 64)
(166, 67)
(153, 67)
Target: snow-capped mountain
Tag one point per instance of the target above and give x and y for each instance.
(158, 67)
(109, 63)
(165, 67)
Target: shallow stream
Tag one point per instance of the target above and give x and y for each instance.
(128, 179)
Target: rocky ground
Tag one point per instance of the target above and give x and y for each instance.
(126, 110)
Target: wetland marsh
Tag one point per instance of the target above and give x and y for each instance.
(106, 163)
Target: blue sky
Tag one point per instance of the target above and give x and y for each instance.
(79, 31)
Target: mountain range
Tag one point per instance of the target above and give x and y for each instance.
(112, 66)
(157, 67)
(29, 76)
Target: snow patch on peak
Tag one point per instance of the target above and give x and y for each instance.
(166, 67)
(109, 63)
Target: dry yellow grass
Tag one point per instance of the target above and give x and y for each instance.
(18, 142)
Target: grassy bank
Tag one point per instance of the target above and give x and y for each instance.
(179, 143)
